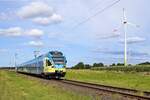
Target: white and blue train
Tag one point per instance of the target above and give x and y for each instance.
(51, 64)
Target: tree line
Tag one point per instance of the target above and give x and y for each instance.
(81, 65)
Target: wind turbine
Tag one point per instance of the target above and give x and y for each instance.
(125, 37)
(125, 23)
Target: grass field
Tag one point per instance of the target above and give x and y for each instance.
(120, 79)
(14, 87)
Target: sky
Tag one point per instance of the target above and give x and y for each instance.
(71, 27)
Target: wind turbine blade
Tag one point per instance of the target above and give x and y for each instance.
(124, 15)
(137, 26)
(117, 29)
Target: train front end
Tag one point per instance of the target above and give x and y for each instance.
(55, 64)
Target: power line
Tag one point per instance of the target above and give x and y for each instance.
(105, 8)
(100, 3)
(97, 4)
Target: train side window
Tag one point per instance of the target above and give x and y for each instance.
(48, 63)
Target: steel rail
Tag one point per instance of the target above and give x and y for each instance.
(115, 90)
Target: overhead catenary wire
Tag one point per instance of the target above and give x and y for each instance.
(97, 13)
(100, 4)
(97, 4)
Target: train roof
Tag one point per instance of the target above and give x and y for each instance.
(52, 53)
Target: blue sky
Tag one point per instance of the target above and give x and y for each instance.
(44, 25)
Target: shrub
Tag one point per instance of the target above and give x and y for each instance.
(125, 69)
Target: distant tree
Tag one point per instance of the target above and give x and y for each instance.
(120, 64)
(95, 65)
(101, 64)
(144, 63)
(98, 65)
(129, 64)
(80, 65)
(113, 64)
(87, 66)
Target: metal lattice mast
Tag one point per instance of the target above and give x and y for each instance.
(35, 55)
(15, 60)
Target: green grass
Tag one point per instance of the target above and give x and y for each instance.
(120, 79)
(18, 87)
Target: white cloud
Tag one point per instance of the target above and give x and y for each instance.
(35, 43)
(34, 33)
(13, 31)
(132, 40)
(54, 19)
(109, 36)
(17, 31)
(35, 9)
(40, 13)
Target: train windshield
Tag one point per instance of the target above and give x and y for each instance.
(48, 63)
(59, 60)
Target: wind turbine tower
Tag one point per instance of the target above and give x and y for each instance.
(125, 23)
(125, 37)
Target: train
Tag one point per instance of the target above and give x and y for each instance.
(49, 65)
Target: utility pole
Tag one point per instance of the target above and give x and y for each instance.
(35, 55)
(15, 60)
(125, 37)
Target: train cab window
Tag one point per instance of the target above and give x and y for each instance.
(48, 63)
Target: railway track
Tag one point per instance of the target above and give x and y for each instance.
(131, 93)
(128, 93)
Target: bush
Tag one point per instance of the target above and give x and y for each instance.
(98, 65)
(80, 65)
(125, 69)
(144, 63)
(87, 66)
